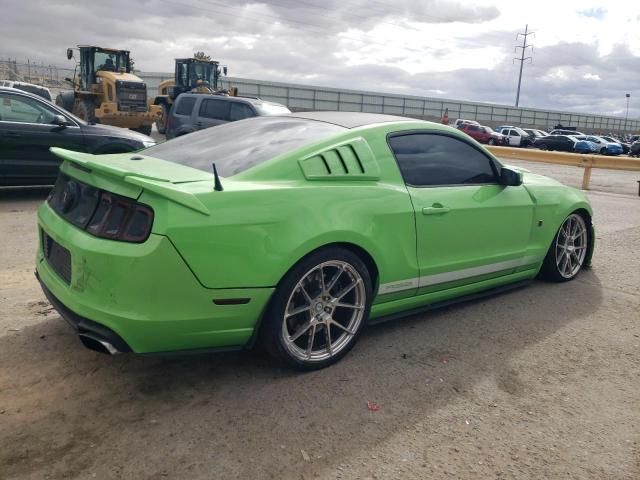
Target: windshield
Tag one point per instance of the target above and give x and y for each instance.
(111, 61)
(238, 146)
(488, 129)
(201, 72)
(271, 109)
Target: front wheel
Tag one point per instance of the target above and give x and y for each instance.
(568, 251)
(145, 129)
(491, 141)
(318, 310)
(543, 146)
(86, 110)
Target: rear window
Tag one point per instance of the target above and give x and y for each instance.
(238, 146)
(185, 105)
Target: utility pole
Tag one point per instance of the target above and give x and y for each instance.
(522, 58)
(626, 116)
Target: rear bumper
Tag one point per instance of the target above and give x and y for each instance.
(144, 294)
(84, 326)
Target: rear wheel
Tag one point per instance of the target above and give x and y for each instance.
(543, 146)
(568, 251)
(603, 151)
(161, 123)
(318, 310)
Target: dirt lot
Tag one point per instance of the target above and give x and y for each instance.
(542, 383)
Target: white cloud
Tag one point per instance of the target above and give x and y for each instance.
(586, 55)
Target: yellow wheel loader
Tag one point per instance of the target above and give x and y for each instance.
(193, 75)
(105, 90)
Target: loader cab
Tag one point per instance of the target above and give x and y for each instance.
(192, 73)
(95, 59)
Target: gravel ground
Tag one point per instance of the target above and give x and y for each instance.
(539, 383)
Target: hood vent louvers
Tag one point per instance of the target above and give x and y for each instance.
(351, 160)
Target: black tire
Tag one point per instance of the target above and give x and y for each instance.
(491, 141)
(543, 146)
(65, 100)
(551, 268)
(603, 151)
(273, 330)
(87, 111)
(145, 129)
(161, 124)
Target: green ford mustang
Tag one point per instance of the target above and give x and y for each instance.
(314, 225)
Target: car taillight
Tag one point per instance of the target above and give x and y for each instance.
(120, 218)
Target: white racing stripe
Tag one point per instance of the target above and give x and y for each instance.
(438, 278)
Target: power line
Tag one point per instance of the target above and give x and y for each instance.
(522, 58)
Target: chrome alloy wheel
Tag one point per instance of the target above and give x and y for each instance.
(571, 246)
(324, 311)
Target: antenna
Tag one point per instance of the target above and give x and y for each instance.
(217, 186)
(522, 58)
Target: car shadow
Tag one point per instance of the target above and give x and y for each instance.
(73, 409)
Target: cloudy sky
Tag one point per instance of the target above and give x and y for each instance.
(586, 53)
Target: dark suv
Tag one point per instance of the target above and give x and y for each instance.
(193, 111)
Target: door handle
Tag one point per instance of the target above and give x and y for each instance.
(435, 209)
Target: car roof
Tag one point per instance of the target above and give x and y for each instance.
(19, 91)
(350, 119)
(230, 98)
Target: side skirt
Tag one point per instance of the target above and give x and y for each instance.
(453, 301)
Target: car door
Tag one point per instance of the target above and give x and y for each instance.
(514, 138)
(564, 143)
(26, 135)
(551, 141)
(469, 227)
(212, 112)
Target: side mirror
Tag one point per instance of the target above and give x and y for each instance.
(224, 70)
(60, 121)
(510, 178)
(69, 53)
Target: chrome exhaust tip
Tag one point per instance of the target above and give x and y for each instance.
(97, 344)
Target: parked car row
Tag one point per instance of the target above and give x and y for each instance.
(559, 139)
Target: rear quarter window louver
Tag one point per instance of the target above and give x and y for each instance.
(351, 160)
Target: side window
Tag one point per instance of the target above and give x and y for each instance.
(216, 109)
(185, 105)
(15, 108)
(431, 159)
(514, 133)
(240, 111)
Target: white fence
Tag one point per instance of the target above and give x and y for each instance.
(303, 97)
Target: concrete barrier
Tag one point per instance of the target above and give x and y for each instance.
(587, 162)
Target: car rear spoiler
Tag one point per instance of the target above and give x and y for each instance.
(158, 185)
